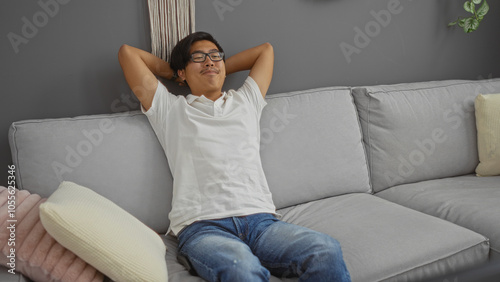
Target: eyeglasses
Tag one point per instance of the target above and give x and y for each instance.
(200, 57)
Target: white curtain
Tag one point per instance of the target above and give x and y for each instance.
(170, 21)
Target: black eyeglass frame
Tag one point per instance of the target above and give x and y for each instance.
(221, 54)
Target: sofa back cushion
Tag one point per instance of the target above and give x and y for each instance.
(420, 131)
(116, 155)
(311, 146)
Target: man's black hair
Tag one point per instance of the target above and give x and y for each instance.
(180, 54)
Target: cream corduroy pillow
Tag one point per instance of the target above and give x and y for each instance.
(103, 234)
(488, 134)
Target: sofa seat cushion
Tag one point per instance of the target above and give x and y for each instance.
(380, 240)
(420, 131)
(311, 146)
(385, 241)
(469, 201)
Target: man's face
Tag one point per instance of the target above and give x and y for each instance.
(207, 76)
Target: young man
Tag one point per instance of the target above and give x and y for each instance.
(222, 211)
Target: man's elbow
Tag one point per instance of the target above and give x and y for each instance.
(123, 52)
(267, 50)
(268, 47)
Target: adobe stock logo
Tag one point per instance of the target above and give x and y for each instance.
(222, 7)
(40, 19)
(454, 118)
(76, 155)
(372, 29)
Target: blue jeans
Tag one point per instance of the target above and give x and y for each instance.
(251, 248)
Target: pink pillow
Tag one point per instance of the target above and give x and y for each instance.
(38, 256)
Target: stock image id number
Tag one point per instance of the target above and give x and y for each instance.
(11, 178)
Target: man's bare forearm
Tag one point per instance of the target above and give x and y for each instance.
(141, 70)
(246, 59)
(259, 60)
(155, 64)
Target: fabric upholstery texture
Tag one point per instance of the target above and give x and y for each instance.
(38, 255)
(311, 146)
(328, 163)
(380, 240)
(119, 151)
(469, 201)
(420, 131)
(317, 169)
(488, 134)
(103, 234)
(388, 241)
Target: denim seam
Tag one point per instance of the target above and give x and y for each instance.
(209, 270)
(289, 268)
(260, 235)
(236, 227)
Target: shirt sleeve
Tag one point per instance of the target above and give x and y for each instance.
(162, 101)
(157, 113)
(251, 91)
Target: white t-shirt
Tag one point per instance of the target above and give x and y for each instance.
(213, 153)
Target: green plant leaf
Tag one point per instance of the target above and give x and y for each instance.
(483, 10)
(470, 24)
(469, 7)
(461, 23)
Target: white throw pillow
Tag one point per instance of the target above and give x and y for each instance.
(488, 134)
(103, 234)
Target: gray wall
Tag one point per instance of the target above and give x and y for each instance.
(67, 65)
(412, 44)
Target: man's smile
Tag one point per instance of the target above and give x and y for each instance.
(210, 71)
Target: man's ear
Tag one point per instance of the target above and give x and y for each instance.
(181, 74)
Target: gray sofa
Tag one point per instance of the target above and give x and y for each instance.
(386, 170)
